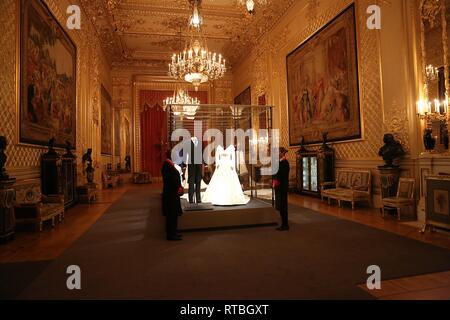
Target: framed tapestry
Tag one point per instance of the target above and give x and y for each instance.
(107, 121)
(47, 106)
(323, 88)
(244, 98)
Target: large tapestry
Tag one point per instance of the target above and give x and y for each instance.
(107, 120)
(323, 84)
(47, 78)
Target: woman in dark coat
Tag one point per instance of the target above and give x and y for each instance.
(172, 191)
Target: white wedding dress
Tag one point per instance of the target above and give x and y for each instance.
(224, 189)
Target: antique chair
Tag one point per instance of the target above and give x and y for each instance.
(110, 177)
(142, 178)
(350, 186)
(87, 193)
(404, 198)
(32, 207)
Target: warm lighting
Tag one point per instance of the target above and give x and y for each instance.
(196, 19)
(196, 64)
(191, 110)
(422, 107)
(431, 73)
(430, 111)
(182, 104)
(437, 106)
(236, 112)
(250, 4)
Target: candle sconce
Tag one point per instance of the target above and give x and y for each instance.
(436, 117)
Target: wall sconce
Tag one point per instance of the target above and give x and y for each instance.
(431, 73)
(432, 111)
(436, 116)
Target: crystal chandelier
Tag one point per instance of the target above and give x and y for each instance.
(250, 4)
(236, 112)
(196, 64)
(431, 73)
(182, 103)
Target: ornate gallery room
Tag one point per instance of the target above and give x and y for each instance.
(224, 150)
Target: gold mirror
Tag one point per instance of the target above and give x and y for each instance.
(435, 27)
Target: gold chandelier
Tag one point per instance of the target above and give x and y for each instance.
(182, 103)
(196, 64)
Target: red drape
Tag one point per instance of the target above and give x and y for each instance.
(153, 130)
(154, 127)
(262, 115)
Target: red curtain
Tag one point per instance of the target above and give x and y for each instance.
(154, 127)
(153, 130)
(262, 115)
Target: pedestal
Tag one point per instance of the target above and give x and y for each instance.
(69, 179)
(389, 177)
(7, 219)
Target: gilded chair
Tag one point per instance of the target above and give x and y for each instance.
(351, 186)
(404, 198)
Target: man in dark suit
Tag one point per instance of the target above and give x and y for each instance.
(281, 185)
(195, 168)
(172, 191)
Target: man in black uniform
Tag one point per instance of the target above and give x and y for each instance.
(281, 185)
(195, 168)
(172, 191)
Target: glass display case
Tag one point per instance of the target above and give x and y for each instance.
(314, 168)
(308, 179)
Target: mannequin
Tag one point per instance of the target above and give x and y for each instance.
(195, 168)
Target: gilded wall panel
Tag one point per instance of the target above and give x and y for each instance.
(89, 57)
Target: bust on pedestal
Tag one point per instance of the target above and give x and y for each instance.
(390, 172)
(7, 197)
(88, 192)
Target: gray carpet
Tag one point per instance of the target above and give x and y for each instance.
(125, 256)
(15, 277)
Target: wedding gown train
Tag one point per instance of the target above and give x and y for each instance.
(225, 189)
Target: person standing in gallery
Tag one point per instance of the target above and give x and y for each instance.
(195, 170)
(172, 191)
(281, 186)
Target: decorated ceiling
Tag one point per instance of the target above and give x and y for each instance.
(148, 32)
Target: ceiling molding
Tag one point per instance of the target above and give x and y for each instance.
(139, 32)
